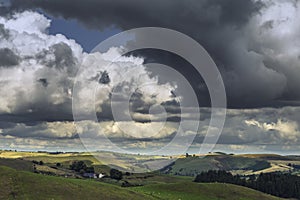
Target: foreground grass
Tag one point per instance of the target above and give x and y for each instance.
(203, 191)
(26, 185)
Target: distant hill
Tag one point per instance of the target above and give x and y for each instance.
(244, 164)
(192, 166)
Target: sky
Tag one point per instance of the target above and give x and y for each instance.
(87, 38)
(254, 44)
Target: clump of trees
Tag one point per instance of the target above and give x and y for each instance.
(294, 166)
(278, 184)
(220, 176)
(38, 162)
(81, 167)
(116, 174)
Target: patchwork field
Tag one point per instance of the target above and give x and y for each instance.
(245, 164)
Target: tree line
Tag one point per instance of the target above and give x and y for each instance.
(277, 184)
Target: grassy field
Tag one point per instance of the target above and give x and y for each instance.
(17, 180)
(18, 164)
(207, 191)
(245, 164)
(26, 185)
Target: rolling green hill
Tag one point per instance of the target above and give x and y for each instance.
(192, 166)
(27, 185)
(244, 164)
(18, 164)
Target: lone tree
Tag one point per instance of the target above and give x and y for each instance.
(116, 174)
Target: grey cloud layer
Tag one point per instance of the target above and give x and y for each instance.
(259, 61)
(255, 45)
(266, 127)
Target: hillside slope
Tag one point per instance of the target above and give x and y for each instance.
(192, 166)
(203, 191)
(26, 185)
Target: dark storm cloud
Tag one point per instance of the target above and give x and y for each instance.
(140, 110)
(225, 28)
(55, 130)
(135, 13)
(40, 113)
(8, 58)
(3, 32)
(250, 78)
